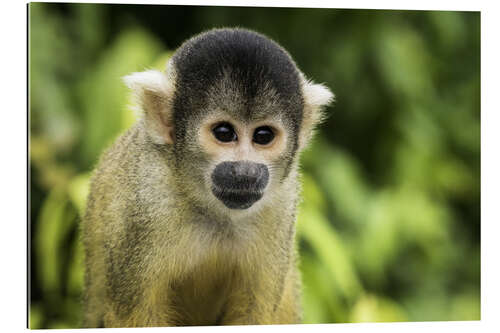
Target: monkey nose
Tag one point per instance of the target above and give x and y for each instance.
(246, 170)
(241, 175)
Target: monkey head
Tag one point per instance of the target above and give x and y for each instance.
(232, 111)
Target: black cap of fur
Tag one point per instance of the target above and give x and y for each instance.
(253, 62)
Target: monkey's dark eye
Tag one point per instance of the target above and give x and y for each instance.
(224, 132)
(263, 135)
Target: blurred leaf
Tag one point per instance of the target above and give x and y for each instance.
(42, 157)
(378, 242)
(60, 324)
(73, 313)
(337, 173)
(314, 228)
(53, 228)
(90, 22)
(314, 291)
(76, 269)
(421, 219)
(322, 302)
(50, 62)
(450, 28)
(78, 189)
(404, 61)
(35, 317)
(161, 62)
(370, 308)
(311, 193)
(454, 177)
(466, 306)
(103, 95)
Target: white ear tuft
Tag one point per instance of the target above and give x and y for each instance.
(152, 80)
(316, 96)
(153, 91)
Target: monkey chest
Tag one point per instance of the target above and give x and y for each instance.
(202, 298)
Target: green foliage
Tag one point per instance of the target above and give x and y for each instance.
(388, 228)
(105, 112)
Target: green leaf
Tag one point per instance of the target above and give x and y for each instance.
(53, 228)
(76, 271)
(370, 308)
(341, 180)
(35, 317)
(78, 190)
(103, 95)
(329, 248)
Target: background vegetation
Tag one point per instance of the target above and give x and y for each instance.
(389, 226)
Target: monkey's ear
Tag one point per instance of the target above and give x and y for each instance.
(153, 91)
(316, 97)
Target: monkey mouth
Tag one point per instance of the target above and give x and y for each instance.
(237, 198)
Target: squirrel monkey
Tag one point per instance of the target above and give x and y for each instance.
(191, 213)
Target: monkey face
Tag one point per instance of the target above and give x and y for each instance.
(245, 158)
(232, 111)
